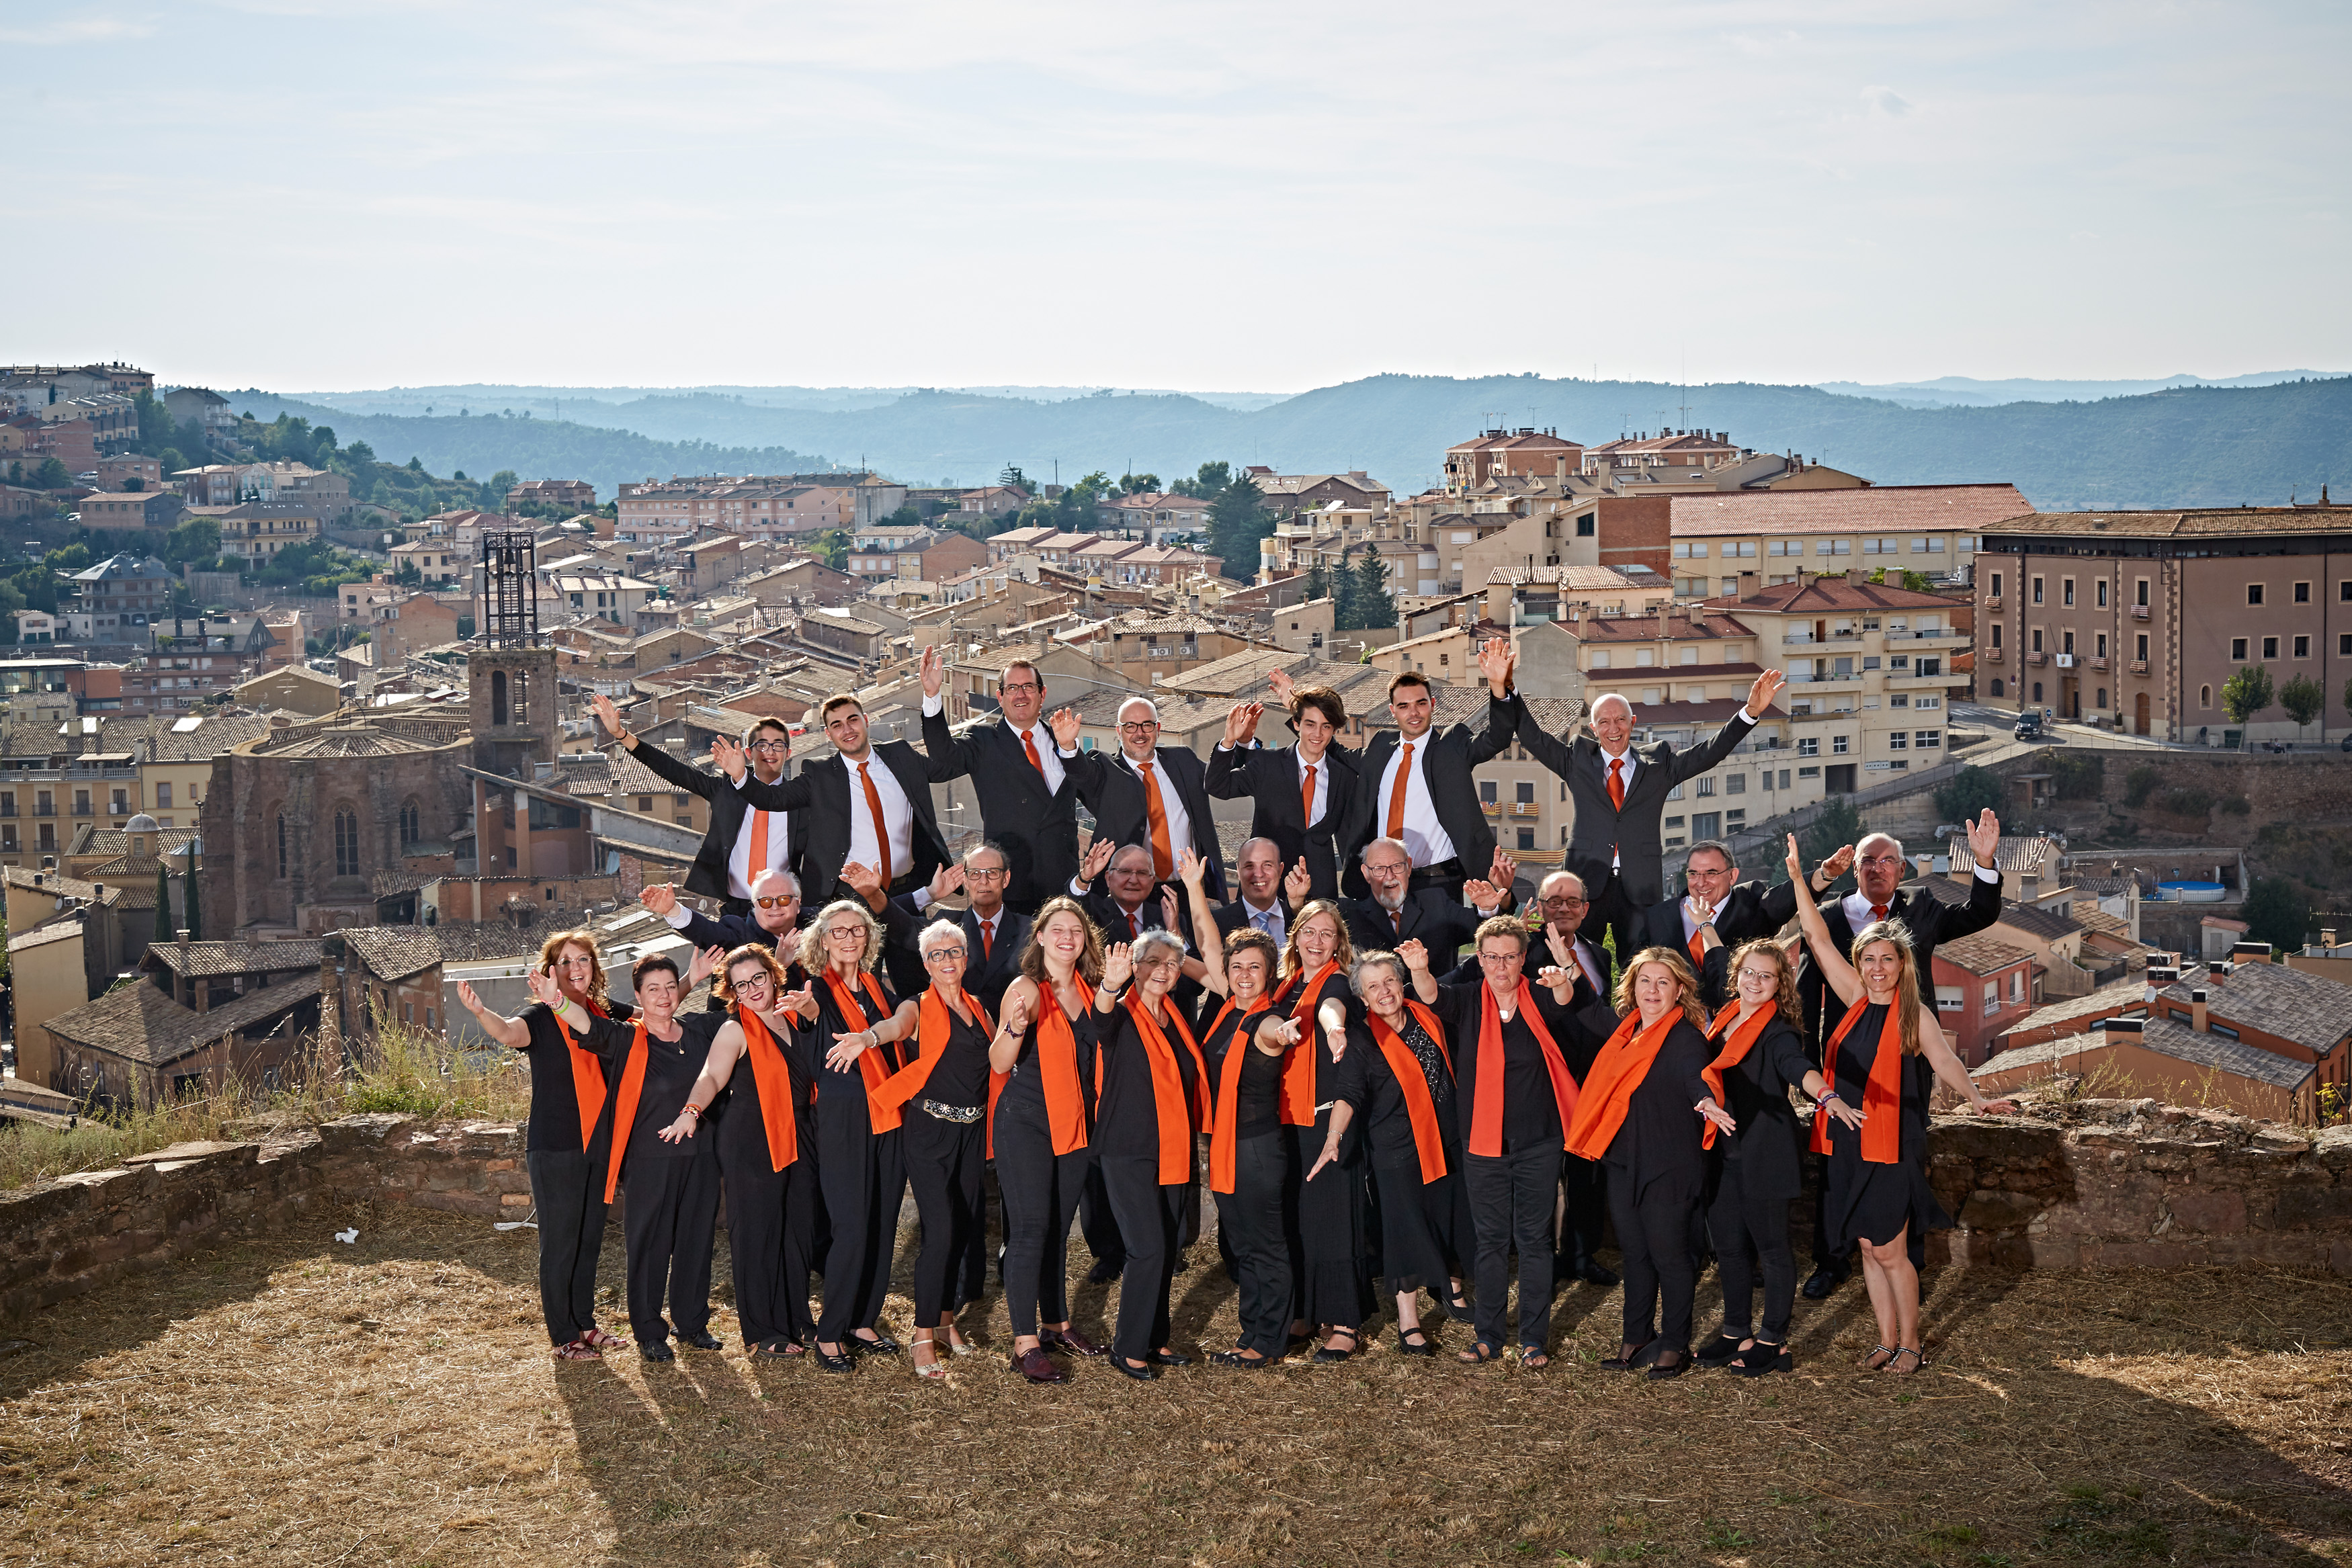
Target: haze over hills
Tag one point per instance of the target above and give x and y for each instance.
(583, 404)
(2191, 446)
(1970, 392)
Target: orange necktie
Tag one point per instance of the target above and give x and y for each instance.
(1698, 951)
(1307, 798)
(1877, 912)
(1616, 783)
(1396, 795)
(758, 861)
(881, 827)
(1029, 744)
(1162, 861)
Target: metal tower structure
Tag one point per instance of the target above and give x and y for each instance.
(509, 589)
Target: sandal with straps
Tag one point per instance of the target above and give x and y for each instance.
(578, 1350)
(1406, 1338)
(1479, 1352)
(1871, 1362)
(1894, 1365)
(927, 1369)
(1327, 1355)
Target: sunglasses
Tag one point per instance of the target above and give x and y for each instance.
(785, 902)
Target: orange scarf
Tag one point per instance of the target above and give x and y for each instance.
(775, 1081)
(1057, 1071)
(873, 1065)
(587, 1075)
(1610, 1083)
(1735, 1051)
(1224, 1137)
(1882, 1094)
(933, 1023)
(1486, 1120)
(1420, 1109)
(625, 1115)
(1297, 1100)
(1178, 1120)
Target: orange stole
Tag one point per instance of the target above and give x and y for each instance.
(1735, 1051)
(869, 1062)
(1610, 1083)
(1486, 1122)
(587, 1076)
(1419, 1107)
(931, 1027)
(1882, 1094)
(1226, 1116)
(1178, 1120)
(774, 1080)
(625, 1115)
(1297, 1097)
(1057, 1073)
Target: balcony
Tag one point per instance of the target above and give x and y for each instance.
(1526, 809)
(2138, 666)
(1491, 808)
(1995, 655)
(1992, 601)
(2099, 661)
(2139, 611)
(45, 810)
(2037, 660)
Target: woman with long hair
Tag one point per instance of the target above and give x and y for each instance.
(1334, 1281)
(942, 1097)
(1877, 1189)
(1040, 1120)
(568, 1140)
(1397, 1079)
(855, 1033)
(1153, 1100)
(1752, 1174)
(1639, 1115)
(767, 1151)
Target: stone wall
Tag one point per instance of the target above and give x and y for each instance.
(2071, 1185)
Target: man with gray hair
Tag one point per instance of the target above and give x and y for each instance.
(1153, 795)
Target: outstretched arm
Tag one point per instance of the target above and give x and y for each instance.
(1948, 1071)
(945, 754)
(677, 773)
(717, 1069)
(1206, 937)
(1555, 752)
(512, 1033)
(1833, 965)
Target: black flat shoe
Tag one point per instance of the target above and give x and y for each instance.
(1594, 1275)
(700, 1339)
(826, 1363)
(1145, 1374)
(1722, 1353)
(657, 1350)
(1103, 1273)
(1760, 1358)
(1823, 1281)
(1641, 1357)
(1327, 1355)
(1405, 1338)
(1069, 1340)
(1169, 1358)
(1236, 1359)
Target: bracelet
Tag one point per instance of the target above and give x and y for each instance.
(694, 1110)
(1826, 1096)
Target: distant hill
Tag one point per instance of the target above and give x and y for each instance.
(1970, 392)
(2183, 447)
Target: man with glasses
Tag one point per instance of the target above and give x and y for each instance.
(994, 933)
(1399, 911)
(1583, 1201)
(1739, 911)
(1152, 795)
(1028, 802)
(774, 922)
(742, 839)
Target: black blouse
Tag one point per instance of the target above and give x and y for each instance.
(959, 1077)
(1756, 1092)
(554, 1123)
(1327, 1072)
(1368, 1083)
(1127, 1115)
(1027, 1086)
(1659, 1135)
(671, 1067)
(1530, 1110)
(815, 1041)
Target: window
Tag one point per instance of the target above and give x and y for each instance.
(1837, 746)
(2204, 696)
(2037, 691)
(1809, 772)
(646, 804)
(1996, 585)
(1898, 741)
(2303, 647)
(1809, 746)
(1997, 687)
(2037, 639)
(1929, 739)
(1524, 791)
(2103, 698)
(1833, 547)
(2103, 593)
(1527, 838)
(1991, 997)
(1676, 793)
(163, 795)
(2343, 643)
(2017, 985)
(1736, 783)
(409, 829)
(2270, 647)
(1797, 546)
(2238, 650)
(2037, 590)
(347, 844)
(1996, 633)
(2139, 641)
(2303, 593)
(2343, 592)
(282, 848)
(2066, 591)
(2066, 642)
(2103, 644)
(1487, 791)
(2254, 593)
(2140, 589)
(1706, 784)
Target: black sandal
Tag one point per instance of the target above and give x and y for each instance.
(1405, 1338)
(1761, 1358)
(1479, 1354)
(1327, 1355)
(1723, 1352)
(1531, 1360)
(1894, 1362)
(1662, 1370)
(1629, 1360)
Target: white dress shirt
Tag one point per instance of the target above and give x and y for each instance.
(1274, 921)
(1625, 777)
(1048, 755)
(739, 868)
(897, 815)
(1323, 787)
(1424, 837)
(1857, 907)
(1172, 806)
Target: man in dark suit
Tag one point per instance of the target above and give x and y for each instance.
(1116, 885)
(774, 922)
(1739, 911)
(1879, 869)
(742, 841)
(1028, 801)
(1398, 912)
(994, 931)
(1301, 791)
(1619, 791)
(867, 803)
(1414, 785)
(1153, 795)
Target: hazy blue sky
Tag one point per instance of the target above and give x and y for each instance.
(1274, 197)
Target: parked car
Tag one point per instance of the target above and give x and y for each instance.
(2029, 727)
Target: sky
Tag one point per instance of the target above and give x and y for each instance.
(322, 194)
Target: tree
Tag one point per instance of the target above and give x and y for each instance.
(2247, 693)
(1139, 483)
(2304, 700)
(2277, 912)
(1237, 521)
(195, 542)
(1972, 791)
(1371, 605)
(51, 476)
(1318, 582)
(1013, 476)
(162, 904)
(189, 881)
(1838, 824)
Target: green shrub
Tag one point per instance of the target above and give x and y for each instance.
(2138, 785)
(2080, 775)
(2187, 800)
(2238, 806)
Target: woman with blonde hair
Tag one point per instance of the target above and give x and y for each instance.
(1752, 1174)
(1333, 1262)
(1040, 1128)
(855, 1034)
(1639, 1115)
(1877, 1188)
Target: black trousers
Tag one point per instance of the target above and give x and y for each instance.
(568, 1190)
(1147, 1215)
(863, 1177)
(1749, 1231)
(1584, 1192)
(1097, 1223)
(669, 1218)
(1653, 1233)
(1612, 911)
(1041, 1190)
(1251, 1217)
(1446, 877)
(771, 1229)
(943, 1166)
(1510, 1206)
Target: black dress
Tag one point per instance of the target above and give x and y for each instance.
(567, 1176)
(1257, 1219)
(1040, 1189)
(945, 1159)
(1425, 1227)
(1753, 1175)
(770, 1213)
(1334, 1261)
(1127, 1139)
(1869, 1202)
(861, 1173)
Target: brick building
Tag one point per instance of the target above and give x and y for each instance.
(1984, 987)
(567, 496)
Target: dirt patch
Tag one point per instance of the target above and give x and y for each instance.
(306, 1402)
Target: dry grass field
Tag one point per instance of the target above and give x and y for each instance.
(303, 1401)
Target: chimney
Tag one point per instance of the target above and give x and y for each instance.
(2197, 1010)
(2132, 1027)
(2328, 937)
(184, 978)
(1750, 582)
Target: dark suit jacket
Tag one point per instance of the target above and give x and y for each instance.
(1601, 827)
(1105, 912)
(1931, 922)
(827, 791)
(1269, 777)
(986, 977)
(1114, 792)
(709, 874)
(733, 930)
(1235, 916)
(1752, 910)
(1038, 832)
(1453, 752)
(1438, 922)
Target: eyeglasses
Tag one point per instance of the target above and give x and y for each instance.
(1881, 860)
(1140, 726)
(1770, 977)
(1501, 958)
(1564, 903)
(985, 873)
(1386, 867)
(772, 745)
(943, 954)
(785, 902)
(1013, 688)
(843, 933)
(1141, 871)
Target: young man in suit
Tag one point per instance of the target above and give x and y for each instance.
(1398, 912)
(1619, 791)
(1414, 784)
(1153, 795)
(1301, 791)
(867, 803)
(1739, 911)
(1879, 869)
(742, 841)
(1028, 801)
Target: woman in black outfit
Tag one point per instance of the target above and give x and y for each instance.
(1639, 1115)
(671, 1218)
(942, 1094)
(1752, 1174)
(1154, 1098)
(1877, 1188)
(1039, 1124)
(1396, 1078)
(767, 1150)
(853, 1031)
(568, 1141)
(1335, 1280)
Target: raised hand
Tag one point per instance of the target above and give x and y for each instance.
(1795, 862)
(1064, 723)
(1760, 695)
(1838, 864)
(1505, 872)
(1190, 869)
(467, 997)
(1715, 1113)
(1701, 911)
(1118, 969)
(607, 714)
(728, 758)
(801, 1003)
(1496, 661)
(1559, 979)
(1482, 895)
(544, 987)
(1280, 679)
(865, 881)
(659, 898)
(705, 962)
(1167, 909)
(1097, 856)
(934, 671)
(1298, 883)
(1416, 956)
(948, 879)
(1241, 724)
(1014, 1019)
(1984, 838)
(1563, 952)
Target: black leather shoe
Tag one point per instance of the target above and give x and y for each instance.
(881, 1345)
(1103, 1272)
(1169, 1358)
(1145, 1374)
(1594, 1275)
(700, 1339)
(657, 1349)
(1823, 1281)
(1236, 1359)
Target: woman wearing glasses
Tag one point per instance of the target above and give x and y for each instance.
(857, 1033)
(1335, 1275)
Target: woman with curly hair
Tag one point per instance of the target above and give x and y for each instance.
(1639, 1115)
(1877, 1188)
(767, 1151)
(1040, 1124)
(1333, 1262)
(1752, 1174)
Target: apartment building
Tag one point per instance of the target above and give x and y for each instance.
(1154, 517)
(566, 496)
(436, 561)
(159, 510)
(766, 508)
(2138, 620)
(256, 531)
(1709, 539)
(1984, 989)
(1500, 453)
